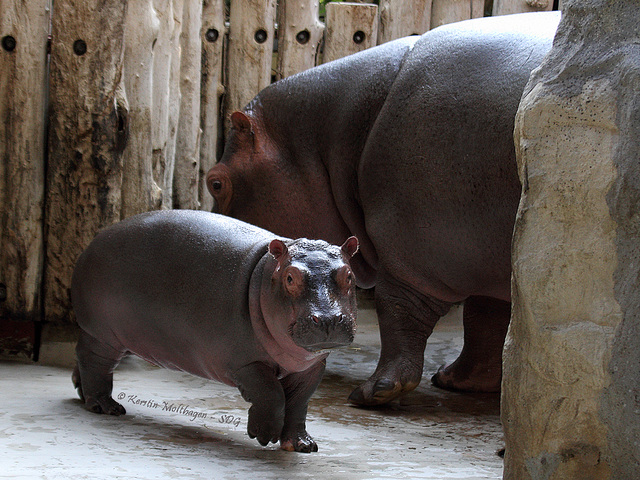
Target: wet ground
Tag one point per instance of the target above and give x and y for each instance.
(183, 427)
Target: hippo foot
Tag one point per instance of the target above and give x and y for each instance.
(383, 388)
(478, 379)
(106, 405)
(301, 442)
(264, 426)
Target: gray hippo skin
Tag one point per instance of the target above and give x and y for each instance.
(218, 298)
(409, 146)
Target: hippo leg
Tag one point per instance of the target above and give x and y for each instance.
(479, 366)
(298, 388)
(259, 385)
(406, 319)
(93, 375)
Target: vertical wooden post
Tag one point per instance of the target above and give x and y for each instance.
(506, 7)
(165, 96)
(399, 18)
(351, 28)
(213, 34)
(24, 27)
(299, 36)
(186, 180)
(477, 8)
(87, 136)
(251, 33)
(140, 192)
(450, 11)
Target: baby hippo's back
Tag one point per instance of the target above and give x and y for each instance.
(172, 287)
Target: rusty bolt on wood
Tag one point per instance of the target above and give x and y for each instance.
(260, 36)
(9, 43)
(79, 47)
(211, 35)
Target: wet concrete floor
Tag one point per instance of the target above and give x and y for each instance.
(183, 427)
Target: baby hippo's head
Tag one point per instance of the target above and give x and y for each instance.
(312, 298)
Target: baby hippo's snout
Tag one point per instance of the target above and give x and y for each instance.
(318, 332)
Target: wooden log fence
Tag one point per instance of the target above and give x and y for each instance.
(24, 28)
(138, 92)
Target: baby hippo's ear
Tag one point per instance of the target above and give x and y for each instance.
(278, 250)
(350, 246)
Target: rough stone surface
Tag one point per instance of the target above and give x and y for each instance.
(571, 388)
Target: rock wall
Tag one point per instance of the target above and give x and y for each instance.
(571, 387)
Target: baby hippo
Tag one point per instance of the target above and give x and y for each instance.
(218, 298)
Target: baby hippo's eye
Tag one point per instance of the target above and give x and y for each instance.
(293, 281)
(345, 278)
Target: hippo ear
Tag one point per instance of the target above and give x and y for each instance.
(350, 246)
(278, 250)
(241, 122)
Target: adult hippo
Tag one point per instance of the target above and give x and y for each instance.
(408, 146)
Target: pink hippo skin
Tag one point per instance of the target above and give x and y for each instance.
(409, 146)
(218, 298)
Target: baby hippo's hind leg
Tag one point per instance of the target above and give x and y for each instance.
(93, 375)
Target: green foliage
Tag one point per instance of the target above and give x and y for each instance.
(323, 8)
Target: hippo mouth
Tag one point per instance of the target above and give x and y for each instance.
(323, 347)
(317, 335)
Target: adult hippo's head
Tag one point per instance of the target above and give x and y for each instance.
(282, 170)
(266, 180)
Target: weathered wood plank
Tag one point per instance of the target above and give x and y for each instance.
(165, 96)
(251, 34)
(350, 28)
(450, 11)
(212, 36)
(477, 8)
(299, 35)
(24, 27)
(87, 136)
(140, 192)
(399, 18)
(186, 181)
(507, 7)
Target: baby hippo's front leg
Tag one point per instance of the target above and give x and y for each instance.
(259, 386)
(279, 408)
(298, 388)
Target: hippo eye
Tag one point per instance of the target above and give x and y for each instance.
(349, 280)
(217, 185)
(293, 282)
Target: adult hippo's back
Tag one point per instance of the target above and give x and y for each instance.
(409, 146)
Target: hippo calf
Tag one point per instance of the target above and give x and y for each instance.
(408, 146)
(218, 298)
